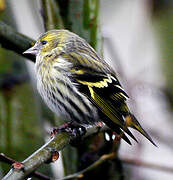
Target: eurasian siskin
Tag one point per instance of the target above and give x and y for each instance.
(77, 83)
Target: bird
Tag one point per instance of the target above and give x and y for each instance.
(76, 83)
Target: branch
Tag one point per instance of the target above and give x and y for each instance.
(44, 154)
(12, 40)
(57, 143)
(51, 15)
(5, 159)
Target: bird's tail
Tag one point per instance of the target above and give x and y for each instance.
(132, 122)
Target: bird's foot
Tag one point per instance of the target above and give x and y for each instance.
(57, 130)
(69, 127)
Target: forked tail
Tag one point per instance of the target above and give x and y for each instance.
(132, 122)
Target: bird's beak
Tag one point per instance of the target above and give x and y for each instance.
(33, 50)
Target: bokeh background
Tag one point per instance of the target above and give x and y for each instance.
(136, 38)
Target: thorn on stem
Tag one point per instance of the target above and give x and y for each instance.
(55, 156)
(80, 176)
(18, 166)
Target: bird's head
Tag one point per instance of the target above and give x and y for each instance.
(49, 41)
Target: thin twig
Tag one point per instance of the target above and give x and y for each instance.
(124, 160)
(140, 163)
(101, 160)
(51, 15)
(4, 158)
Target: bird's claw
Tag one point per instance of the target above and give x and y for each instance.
(71, 128)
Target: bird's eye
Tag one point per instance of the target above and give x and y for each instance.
(43, 42)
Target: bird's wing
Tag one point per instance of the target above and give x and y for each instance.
(103, 87)
(96, 81)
